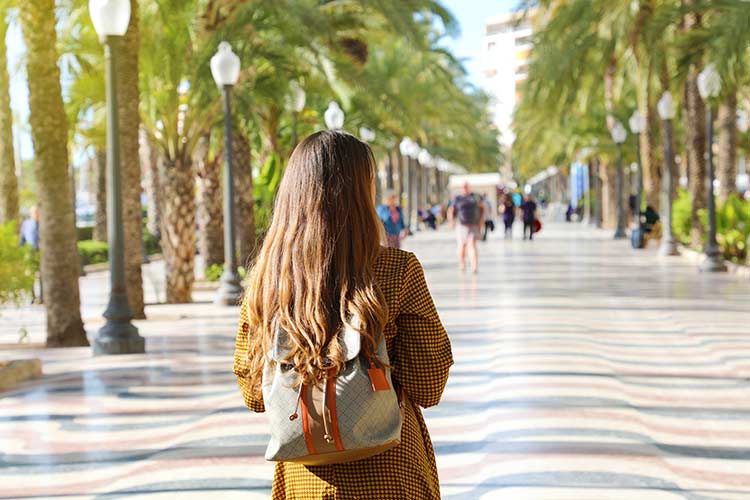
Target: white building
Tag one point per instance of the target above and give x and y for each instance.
(505, 64)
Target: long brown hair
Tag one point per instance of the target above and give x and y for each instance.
(314, 271)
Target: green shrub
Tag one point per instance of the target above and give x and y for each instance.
(213, 272)
(93, 252)
(85, 233)
(732, 224)
(732, 227)
(681, 216)
(150, 243)
(18, 265)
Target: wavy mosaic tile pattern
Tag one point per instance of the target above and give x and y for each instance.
(584, 370)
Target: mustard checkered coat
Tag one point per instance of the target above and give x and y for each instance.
(420, 353)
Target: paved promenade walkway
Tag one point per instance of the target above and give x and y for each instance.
(584, 370)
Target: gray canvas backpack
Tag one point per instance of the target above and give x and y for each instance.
(355, 414)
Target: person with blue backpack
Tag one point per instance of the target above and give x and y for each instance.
(468, 208)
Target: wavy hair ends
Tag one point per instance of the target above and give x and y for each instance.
(314, 271)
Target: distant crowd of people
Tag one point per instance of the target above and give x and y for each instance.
(469, 213)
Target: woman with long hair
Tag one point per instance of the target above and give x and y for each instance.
(321, 264)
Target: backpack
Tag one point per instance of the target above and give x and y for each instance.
(354, 415)
(467, 208)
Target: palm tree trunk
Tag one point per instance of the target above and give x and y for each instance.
(648, 138)
(677, 165)
(598, 194)
(49, 133)
(727, 160)
(609, 195)
(130, 168)
(100, 223)
(401, 172)
(177, 183)
(8, 180)
(607, 170)
(209, 211)
(244, 202)
(695, 140)
(150, 174)
(695, 127)
(649, 161)
(389, 185)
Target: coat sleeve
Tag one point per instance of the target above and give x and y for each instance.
(422, 349)
(253, 401)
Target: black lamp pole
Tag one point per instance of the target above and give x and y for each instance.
(713, 262)
(230, 289)
(118, 335)
(668, 246)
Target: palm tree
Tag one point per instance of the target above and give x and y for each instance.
(8, 180)
(244, 201)
(130, 168)
(209, 202)
(49, 134)
(695, 141)
(726, 165)
(727, 42)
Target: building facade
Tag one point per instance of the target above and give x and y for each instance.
(505, 65)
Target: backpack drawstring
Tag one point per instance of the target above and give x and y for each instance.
(326, 414)
(294, 415)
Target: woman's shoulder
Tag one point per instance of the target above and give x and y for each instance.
(392, 263)
(391, 259)
(390, 270)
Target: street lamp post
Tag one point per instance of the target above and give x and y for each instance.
(618, 135)
(666, 110)
(297, 99)
(637, 124)
(709, 86)
(118, 335)
(334, 116)
(225, 68)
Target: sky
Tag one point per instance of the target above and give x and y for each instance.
(471, 16)
(467, 46)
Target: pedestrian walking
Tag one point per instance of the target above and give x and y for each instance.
(30, 236)
(392, 217)
(528, 211)
(468, 209)
(324, 300)
(509, 215)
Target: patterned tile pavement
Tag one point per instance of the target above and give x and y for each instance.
(584, 370)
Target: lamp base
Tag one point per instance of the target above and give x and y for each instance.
(230, 290)
(119, 338)
(713, 264)
(668, 248)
